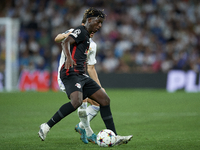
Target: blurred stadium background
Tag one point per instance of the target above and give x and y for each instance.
(142, 44)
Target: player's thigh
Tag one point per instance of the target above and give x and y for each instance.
(76, 99)
(90, 87)
(92, 90)
(92, 102)
(100, 97)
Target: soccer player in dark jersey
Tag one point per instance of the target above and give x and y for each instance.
(77, 84)
(85, 114)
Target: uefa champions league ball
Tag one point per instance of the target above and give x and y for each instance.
(106, 138)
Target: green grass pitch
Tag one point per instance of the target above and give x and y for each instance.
(158, 120)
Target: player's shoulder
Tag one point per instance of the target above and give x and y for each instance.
(81, 29)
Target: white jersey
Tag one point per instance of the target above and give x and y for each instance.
(91, 60)
(91, 57)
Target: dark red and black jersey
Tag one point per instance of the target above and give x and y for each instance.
(79, 50)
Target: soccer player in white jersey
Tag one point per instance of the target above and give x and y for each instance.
(86, 114)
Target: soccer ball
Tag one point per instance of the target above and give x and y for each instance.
(106, 138)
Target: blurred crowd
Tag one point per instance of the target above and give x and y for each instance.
(143, 36)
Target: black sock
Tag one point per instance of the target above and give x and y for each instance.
(64, 110)
(106, 115)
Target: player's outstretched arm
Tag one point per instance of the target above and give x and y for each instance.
(61, 37)
(93, 74)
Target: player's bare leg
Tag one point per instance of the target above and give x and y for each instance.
(101, 97)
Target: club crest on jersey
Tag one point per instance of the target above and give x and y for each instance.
(78, 85)
(76, 32)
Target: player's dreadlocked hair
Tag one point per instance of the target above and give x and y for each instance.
(93, 12)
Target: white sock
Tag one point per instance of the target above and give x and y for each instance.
(83, 106)
(84, 123)
(92, 111)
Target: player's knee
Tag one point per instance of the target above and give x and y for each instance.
(76, 103)
(106, 101)
(76, 99)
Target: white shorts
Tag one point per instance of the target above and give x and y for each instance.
(61, 85)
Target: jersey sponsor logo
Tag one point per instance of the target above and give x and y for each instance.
(76, 33)
(78, 85)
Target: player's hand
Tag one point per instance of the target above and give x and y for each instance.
(69, 63)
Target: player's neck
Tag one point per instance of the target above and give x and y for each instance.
(87, 28)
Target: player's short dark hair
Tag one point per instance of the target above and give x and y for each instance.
(93, 12)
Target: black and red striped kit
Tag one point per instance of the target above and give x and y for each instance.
(75, 79)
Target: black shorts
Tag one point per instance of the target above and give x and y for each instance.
(80, 82)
